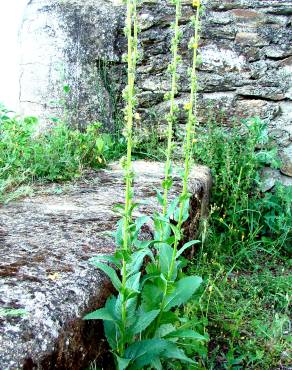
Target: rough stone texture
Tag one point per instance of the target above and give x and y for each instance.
(63, 43)
(271, 176)
(246, 62)
(46, 241)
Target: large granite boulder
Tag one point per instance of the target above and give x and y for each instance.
(46, 241)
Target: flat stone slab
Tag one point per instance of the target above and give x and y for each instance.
(46, 241)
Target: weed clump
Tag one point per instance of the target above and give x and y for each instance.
(244, 254)
(244, 220)
(57, 154)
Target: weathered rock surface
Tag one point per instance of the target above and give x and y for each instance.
(246, 61)
(271, 176)
(63, 43)
(46, 241)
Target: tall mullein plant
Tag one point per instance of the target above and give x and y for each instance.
(191, 108)
(131, 32)
(181, 213)
(171, 116)
(117, 307)
(139, 322)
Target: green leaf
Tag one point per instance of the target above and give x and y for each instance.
(172, 207)
(111, 328)
(144, 320)
(122, 363)
(110, 272)
(173, 352)
(66, 89)
(133, 282)
(111, 333)
(119, 233)
(165, 257)
(134, 205)
(176, 232)
(151, 297)
(119, 208)
(141, 244)
(185, 204)
(156, 364)
(169, 317)
(186, 246)
(163, 330)
(14, 312)
(143, 352)
(139, 222)
(121, 254)
(161, 227)
(186, 333)
(137, 259)
(99, 144)
(159, 197)
(107, 258)
(167, 184)
(131, 304)
(101, 314)
(182, 292)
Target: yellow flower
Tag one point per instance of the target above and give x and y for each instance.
(196, 3)
(187, 106)
(54, 276)
(137, 116)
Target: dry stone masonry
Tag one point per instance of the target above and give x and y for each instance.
(46, 241)
(246, 69)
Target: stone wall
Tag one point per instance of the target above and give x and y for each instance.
(62, 43)
(246, 49)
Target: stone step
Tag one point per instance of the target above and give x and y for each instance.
(46, 241)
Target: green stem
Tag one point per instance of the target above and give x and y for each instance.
(192, 119)
(132, 36)
(172, 114)
(129, 124)
(192, 109)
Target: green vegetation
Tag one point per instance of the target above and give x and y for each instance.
(243, 258)
(57, 154)
(244, 221)
(243, 303)
(172, 115)
(246, 314)
(228, 308)
(140, 323)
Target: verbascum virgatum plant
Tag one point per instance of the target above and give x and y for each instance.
(171, 116)
(178, 209)
(140, 323)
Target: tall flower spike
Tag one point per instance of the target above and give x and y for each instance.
(191, 107)
(171, 116)
(131, 31)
